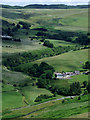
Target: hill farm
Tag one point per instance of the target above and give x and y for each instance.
(45, 63)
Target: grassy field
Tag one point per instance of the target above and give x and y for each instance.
(65, 83)
(71, 20)
(57, 43)
(12, 95)
(31, 92)
(78, 78)
(22, 96)
(50, 18)
(15, 77)
(12, 99)
(53, 109)
(24, 45)
(68, 61)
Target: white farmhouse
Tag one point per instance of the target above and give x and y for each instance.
(59, 75)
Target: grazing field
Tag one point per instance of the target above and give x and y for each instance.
(78, 78)
(12, 99)
(65, 83)
(68, 61)
(17, 47)
(53, 109)
(60, 83)
(17, 78)
(57, 43)
(26, 93)
(31, 92)
(60, 18)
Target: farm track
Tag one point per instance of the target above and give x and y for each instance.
(43, 103)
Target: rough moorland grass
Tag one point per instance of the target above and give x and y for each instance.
(64, 111)
(70, 61)
(49, 17)
(69, 108)
(83, 115)
(55, 109)
(17, 47)
(76, 19)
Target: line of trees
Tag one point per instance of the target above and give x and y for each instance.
(81, 38)
(15, 60)
(87, 65)
(40, 6)
(74, 89)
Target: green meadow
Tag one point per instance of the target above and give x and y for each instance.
(69, 61)
(49, 17)
(53, 109)
(61, 43)
(12, 99)
(11, 77)
(32, 92)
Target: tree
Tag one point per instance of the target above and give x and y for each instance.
(88, 87)
(48, 44)
(18, 26)
(13, 24)
(85, 92)
(25, 25)
(75, 89)
(63, 101)
(43, 83)
(49, 74)
(79, 98)
(85, 83)
(43, 67)
(87, 65)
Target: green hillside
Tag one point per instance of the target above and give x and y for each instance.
(32, 40)
(68, 61)
(72, 19)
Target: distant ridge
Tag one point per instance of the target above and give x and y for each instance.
(40, 6)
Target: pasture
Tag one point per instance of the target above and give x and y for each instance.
(32, 92)
(24, 45)
(57, 43)
(78, 78)
(53, 109)
(69, 61)
(12, 99)
(10, 77)
(57, 18)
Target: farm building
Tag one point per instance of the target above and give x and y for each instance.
(69, 73)
(6, 37)
(59, 75)
(77, 72)
(66, 74)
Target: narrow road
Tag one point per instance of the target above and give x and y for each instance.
(43, 103)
